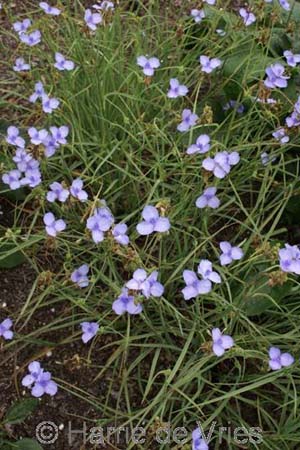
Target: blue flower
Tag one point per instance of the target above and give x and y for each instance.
(5, 329)
(32, 38)
(198, 15)
(198, 442)
(39, 381)
(99, 223)
(230, 253)
(126, 303)
(221, 342)
(194, 286)
(209, 64)
(79, 276)
(277, 360)
(208, 198)
(20, 65)
(221, 164)
(148, 65)
(189, 119)
(289, 259)
(276, 77)
(119, 233)
(202, 145)
(176, 89)
(89, 330)
(152, 222)
(49, 9)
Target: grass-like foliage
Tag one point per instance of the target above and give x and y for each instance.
(158, 366)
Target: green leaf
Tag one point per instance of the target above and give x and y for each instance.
(3, 126)
(14, 196)
(279, 41)
(259, 296)
(292, 211)
(28, 444)
(294, 14)
(19, 411)
(10, 256)
(246, 65)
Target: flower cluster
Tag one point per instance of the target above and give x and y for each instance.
(221, 163)
(102, 222)
(196, 286)
(59, 192)
(99, 223)
(142, 284)
(27, 172)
